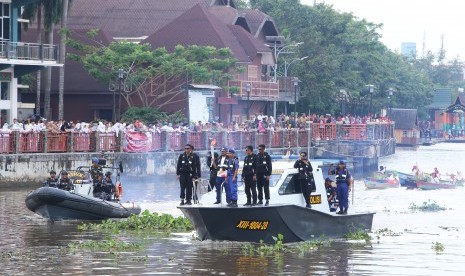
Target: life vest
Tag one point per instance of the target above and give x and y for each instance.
(233, 165)
(341, 176)
(249, 165)
(187, 163)
(118, 190)
(263, 163)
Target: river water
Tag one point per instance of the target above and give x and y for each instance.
(29, 245)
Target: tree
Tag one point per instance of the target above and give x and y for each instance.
(344, 52)
(156, 77)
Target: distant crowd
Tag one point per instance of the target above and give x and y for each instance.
(258, 122)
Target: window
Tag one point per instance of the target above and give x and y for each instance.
(4, 93)
(5, 21)
(290, 185)
(404, 133)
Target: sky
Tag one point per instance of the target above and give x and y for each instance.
(421, 21)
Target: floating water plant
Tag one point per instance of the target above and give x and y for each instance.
(427, 207)
(438, 247)
(144, 221)
(359, 234)
(109, 244)
(387, 232)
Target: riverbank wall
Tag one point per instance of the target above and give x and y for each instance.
(33, 168)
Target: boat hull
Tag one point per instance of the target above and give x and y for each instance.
(254, 224)
(375, 183)
(434, 186)
(56, 204)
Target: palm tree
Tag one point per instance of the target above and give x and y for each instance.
(51, 16)
(61, 84)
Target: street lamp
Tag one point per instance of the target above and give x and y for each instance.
(390, 93)
(343, 97)
(296, 83)
(121, 76)
(247, 88)
(371, 89)
(287, 65)
(279, 39)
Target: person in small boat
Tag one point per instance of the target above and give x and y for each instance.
(51, 181)
(233, 168)
(108, 187)
(250, 177)
(221, 166)
(331, 194)
(98, 185)
(305, 170)
(95, 168)
(343, 181)
(263, 169)
(435, 175)
(65, 183)
(382, 170)
(187, 172)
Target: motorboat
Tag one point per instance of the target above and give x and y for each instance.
(79, 203)
(381, 181)
(287, 213)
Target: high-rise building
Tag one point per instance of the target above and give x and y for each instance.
(408, 49)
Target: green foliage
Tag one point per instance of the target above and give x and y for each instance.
(426, 207)
(358, 234)
(150, 115)
(387, 232)
(344, 52)
(155, 77)
(438, 247)
(109, 244)
(143, 221)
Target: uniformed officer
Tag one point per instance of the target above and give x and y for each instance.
(51, 181)
(221, 166)
(263, 169)
(250, 177)
(65, 182)
(331, 194)
(233, 168)
(108, 187)
(95, 168)
(343, 181)
(98, 185)
(305, 171)
(187, 170)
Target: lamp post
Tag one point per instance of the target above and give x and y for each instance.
(275, 40)
(247, 88)
(371, 89)
(296, 83)
(390, 93)
(343, 97)
(121, 75)
(287, 65)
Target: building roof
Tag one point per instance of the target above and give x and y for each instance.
(442, 99)
(405, 119)
(257, 21)
(190, 29)
(458, 105)
(131, 18)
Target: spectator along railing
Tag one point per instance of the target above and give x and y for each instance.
(136, 141)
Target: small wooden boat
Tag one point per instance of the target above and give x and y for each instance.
(407, 180)
(423, 185)
(381, 183)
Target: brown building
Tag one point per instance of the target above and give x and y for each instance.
(169, 23)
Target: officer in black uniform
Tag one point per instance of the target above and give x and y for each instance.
(52, 181)
(213, 170)
(98, 185)
(263, 169)
(187, 170)
(108, 187)
(65, 182)
(197, 173)
(250, 177)
(95, 168)
(305, 172)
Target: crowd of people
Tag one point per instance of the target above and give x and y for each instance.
(256, 172)
(258, 122)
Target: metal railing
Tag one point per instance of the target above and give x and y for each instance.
(38, 142)
(28, 51)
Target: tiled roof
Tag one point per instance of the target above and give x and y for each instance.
(129, 18)
(442, 99)
(190, 29)
(404, 118)
(256, 20)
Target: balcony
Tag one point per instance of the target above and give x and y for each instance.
(283, 90)
(28, 53)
